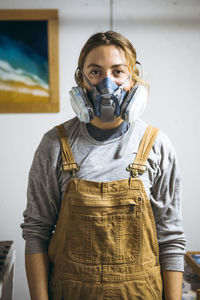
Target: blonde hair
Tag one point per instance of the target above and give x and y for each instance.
(105, 39)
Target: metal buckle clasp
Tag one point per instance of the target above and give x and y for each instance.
(136, 169)
(72, 168)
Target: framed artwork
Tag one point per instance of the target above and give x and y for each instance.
(193, 260)
(29, 80)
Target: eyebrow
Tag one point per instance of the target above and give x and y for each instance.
(98, 66)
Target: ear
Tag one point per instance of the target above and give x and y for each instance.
(79, 78)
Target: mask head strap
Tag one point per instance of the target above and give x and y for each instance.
(120, 88)
(140, 68)
(93, 88)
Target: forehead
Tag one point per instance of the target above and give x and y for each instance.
(106, 55)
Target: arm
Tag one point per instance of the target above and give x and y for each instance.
(37, 275)
(172, 282)
(166, 202)
(41, 213)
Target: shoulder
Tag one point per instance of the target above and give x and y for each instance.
(162, 140)
(50, 142)
(162, 149)
(51, 138)
(164, 144)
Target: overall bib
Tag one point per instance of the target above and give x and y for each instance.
(105, 243)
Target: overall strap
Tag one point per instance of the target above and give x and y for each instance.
(68, 162)
(138, 167)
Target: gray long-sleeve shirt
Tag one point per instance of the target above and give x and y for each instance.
(104, 161)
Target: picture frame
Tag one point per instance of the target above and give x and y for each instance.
(29, 68)
(193, 260)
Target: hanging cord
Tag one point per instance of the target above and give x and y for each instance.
(124, 142)
(111, 14)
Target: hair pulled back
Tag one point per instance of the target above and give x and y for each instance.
(105, 39)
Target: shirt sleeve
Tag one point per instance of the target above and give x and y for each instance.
(166, 200)
(43, 195)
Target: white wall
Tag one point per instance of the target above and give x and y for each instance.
(166, 37)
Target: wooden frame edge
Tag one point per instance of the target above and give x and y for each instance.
(51, 16)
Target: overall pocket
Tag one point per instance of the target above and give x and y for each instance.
(77, 290)
(107, 234)
(138, 290)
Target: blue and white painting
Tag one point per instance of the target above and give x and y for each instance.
(24, 69)
(196, 258)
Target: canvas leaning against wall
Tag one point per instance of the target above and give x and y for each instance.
(29, 61)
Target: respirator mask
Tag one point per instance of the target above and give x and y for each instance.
(107, 101)
(106, 98)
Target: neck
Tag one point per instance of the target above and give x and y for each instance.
(106, 125)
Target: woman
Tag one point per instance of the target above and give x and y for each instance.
(111, 186)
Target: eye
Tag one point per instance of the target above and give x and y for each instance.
(118, 73)
(95, 73)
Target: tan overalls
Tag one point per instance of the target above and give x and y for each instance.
(105, 243)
